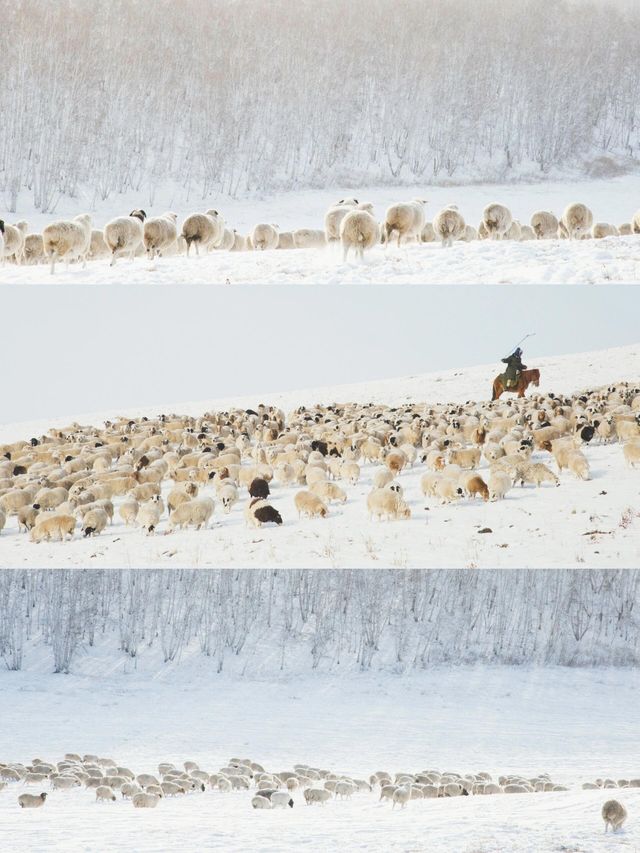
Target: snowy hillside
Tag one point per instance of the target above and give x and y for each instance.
(593, 523)
(613, 259)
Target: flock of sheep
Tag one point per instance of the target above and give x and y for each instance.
(270, 790)
(349, 222)
(175, 470)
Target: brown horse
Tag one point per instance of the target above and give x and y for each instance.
(526, 378)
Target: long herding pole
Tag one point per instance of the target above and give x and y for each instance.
(521, 341)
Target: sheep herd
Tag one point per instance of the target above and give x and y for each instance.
(111, 782)
(173, 472)
(348, 221)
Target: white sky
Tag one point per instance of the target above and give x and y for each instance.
(70, 350)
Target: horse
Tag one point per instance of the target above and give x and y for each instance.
(526, 378)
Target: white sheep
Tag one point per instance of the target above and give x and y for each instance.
(427, 235)
(449, 226)
(67, 239)
(600, 230)
(545, 225)
(309, 238)
(33, 251)
(498, 484)
(264, 236)
(195, 513)
(124, 235)
(316, 795)
(334, 216)
(259, 802)
(576, 221)
(105, 794)
(53, 527)
(310, 505)
(203, 229)
(401, 795)
(149, 515)
(94, 522)
(382, 503)
(614, 815)
(358, 231)
(97, 246)
(285, 240)
(32, 801)
(527, 233)
(145, 801)
(281, 799)
(13, 244)
(497, 221)
(405, 220)
(159, 233)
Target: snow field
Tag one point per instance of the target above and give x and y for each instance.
(574, 724)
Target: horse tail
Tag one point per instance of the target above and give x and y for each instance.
(494, 396)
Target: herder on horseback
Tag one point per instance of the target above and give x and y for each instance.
(514, 369)
(516, 378)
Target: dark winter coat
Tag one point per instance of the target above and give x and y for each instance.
(514, 368)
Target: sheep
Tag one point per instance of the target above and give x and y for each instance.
(145, 801)
(206, 229)
(33, 250)
(344, 789)
(427, 235)
(105, 794)
(328, 492)
(316, 795)
(469, 235)
(497, 221)
(13, 242)
(259, 512)
(94, 522)
(149, 515)
(128, 510)
(538, 473)
(350, 471)
(124, 235)
(264, 236)
(309, 238)
(401, 795)
(259, 488)
(527, 233)
(97, 246)
(406, 220)
(476, 486)
(576, 221)
(171, 789)
(53, 526)
(159, 233)
(467, 457)
(625, 229)
(447, 490)
(385, 504)
(334, 216)
(129, 789)
(358, 231)
(67, 239)
(449, 226)
(499, 484)
(578, 464)
(545, 225)
(32, 801)
(310, 505)
(599, 230)
(285, 240)
(382, 478)
(635, 223)
(630, 451)
(281, 799)
(228, 494)
(227, 242)
(259, 802)
(514, 232)
(65, 783)
(614, 815)
(194, 513)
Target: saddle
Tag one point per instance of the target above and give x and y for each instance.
(510, 383)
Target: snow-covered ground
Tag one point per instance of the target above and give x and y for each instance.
(594, 523)
(532, 262)
(575, 724)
